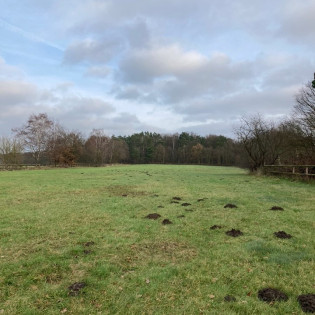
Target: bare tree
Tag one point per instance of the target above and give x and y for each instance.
(35, 134)
(10, 151)
(99, 145)
(305, 110)
(261, 140)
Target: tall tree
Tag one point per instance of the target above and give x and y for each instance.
(305, 110)
(10, 151)
(35, 135)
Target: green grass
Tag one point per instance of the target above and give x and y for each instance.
(139, 266)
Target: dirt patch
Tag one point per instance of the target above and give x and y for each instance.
(166, 221)
(75, 288)
(229, 298)
(307, 302)
(202, 199)
(153, 216)
(276, 208)
(234, 233)
(214, 227)
(160, 206)
(282, 234)
(186, 204)
(230, 205)
(177, 198)
(189, 210)
(271, 295)
(88, 244)
(181, 216)
(174, 201)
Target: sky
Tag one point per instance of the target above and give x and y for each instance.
(164, 66)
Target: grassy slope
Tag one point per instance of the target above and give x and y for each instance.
(139, 266)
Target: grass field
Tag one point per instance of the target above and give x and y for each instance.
(62, 226)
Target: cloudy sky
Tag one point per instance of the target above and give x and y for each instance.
(157, 65)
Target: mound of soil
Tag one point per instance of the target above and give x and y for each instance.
(177, 198)
(307, 302)
(153, 216)
(230, 205)
(234, 233)
(214, 227)
(276, 208)
(201, 199)
(88, 244)
(173, 201)
(229, 298)
(166, 221)
(186, 204)
(181, 216)
(124, 195)
(75, 288)
(282, 234)
(271, 295)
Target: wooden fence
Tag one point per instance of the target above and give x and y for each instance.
(307, 171)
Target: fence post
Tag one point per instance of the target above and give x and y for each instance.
(293, 170)
(306, 170)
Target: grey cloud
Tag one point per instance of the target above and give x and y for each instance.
(98, 71)
(16, 92)
(298, 22)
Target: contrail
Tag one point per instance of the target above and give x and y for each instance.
(27, 35)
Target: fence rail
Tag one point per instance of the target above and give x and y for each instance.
(291, 170)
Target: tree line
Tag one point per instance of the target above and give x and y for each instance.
(258, 142)
(41, 141)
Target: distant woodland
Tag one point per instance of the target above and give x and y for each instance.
(258, 142)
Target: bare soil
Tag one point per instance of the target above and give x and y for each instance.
(153, 216)
(307, 302)
(166, 221)
(186, 204)
(177, 198)
(234, 233)
(276, 208)
(75, 288)
(282, 234)
(214, 227)
(271, 295)
(230, 205)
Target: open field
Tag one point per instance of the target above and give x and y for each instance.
(87, 225)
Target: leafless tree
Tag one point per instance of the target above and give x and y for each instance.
(99, 146)
(34, 135)
(261, 140)
(10, 151)
(305, 110)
